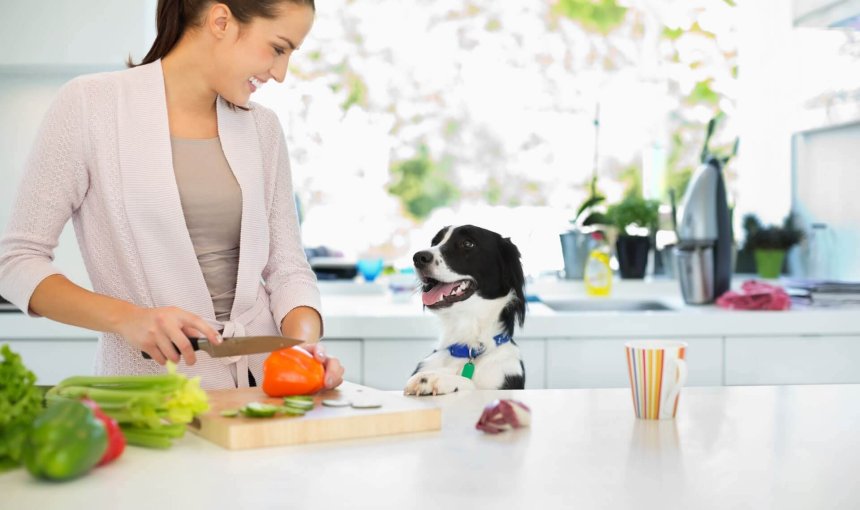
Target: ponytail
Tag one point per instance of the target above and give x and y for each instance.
(170, 22)
(174, 16)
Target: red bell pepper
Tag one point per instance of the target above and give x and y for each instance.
(116, 440)
(292, 372)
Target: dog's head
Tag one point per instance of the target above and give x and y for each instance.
(468, 263)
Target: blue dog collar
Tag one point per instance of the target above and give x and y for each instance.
(466, 351)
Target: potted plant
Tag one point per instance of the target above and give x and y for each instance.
(770, 243)
(635, 218)
(577, 242)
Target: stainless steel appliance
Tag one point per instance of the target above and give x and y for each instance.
(704, 251)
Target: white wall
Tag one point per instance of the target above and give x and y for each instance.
(23, 101)
(82, 33)
(765, 109)
(43, 44)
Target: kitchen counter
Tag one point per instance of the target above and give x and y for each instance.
(357, 310)
(374, 314)
(735, 447)
(380, 337)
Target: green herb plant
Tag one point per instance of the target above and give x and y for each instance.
(771, 237)
(634, 211)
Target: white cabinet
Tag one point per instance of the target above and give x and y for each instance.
(89, 34)
(601, 363)
(52, 360)
(348, 351)
(533, 352)
(792, 360)
(388, 363)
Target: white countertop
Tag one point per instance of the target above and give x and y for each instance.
(357, 310)
(788, 447)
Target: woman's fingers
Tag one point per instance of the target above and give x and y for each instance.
(155, 353)
(333, 373)
(316, 350)
(178, 338)
(167, 348)
(201, 329)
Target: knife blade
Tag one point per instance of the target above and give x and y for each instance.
(241, 345)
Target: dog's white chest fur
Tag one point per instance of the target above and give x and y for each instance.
(473, 323)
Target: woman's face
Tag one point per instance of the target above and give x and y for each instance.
(252, 54)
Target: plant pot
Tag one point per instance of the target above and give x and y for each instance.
(768, 263)
(632, 252)
(576, 245)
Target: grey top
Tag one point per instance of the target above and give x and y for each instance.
(212, 204)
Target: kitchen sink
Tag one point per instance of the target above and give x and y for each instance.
(605, 305)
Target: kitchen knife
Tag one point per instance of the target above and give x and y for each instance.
(241, 345)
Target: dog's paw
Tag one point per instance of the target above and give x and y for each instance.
(431, 383)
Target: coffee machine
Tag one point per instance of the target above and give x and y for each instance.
(705, 239)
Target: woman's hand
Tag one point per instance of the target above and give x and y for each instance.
(163, 332)
(333, 369)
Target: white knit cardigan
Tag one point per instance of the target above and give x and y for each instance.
(103, 157)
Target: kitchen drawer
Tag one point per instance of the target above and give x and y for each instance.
(793, 360)
(601, 363)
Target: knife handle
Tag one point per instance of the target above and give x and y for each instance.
(194, 346)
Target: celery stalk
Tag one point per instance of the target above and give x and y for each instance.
(151, 409)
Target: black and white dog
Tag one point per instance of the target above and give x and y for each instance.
(473, 280)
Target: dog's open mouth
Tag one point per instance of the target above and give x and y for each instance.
(442, 294)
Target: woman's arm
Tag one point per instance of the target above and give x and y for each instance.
(160, 332)
(289, 279)
(304, 323)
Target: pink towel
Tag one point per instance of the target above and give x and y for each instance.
(756, 295)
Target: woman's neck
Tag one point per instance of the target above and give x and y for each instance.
(190, 98)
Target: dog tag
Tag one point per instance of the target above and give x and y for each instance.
(468, 370)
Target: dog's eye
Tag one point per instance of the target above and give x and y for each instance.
(467, 244)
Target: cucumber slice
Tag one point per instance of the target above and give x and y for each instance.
(230, 413)
(292, 411)
(306, 403)
(259, 410)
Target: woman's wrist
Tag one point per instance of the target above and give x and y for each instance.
(120, 314)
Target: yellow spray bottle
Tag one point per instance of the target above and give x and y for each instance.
(598, 273)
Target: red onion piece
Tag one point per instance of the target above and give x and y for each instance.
(502, 415)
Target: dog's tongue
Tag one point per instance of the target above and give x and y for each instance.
(435, 294)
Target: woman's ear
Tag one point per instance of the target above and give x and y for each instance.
(218, 20)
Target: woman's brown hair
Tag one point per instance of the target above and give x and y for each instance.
(174, 16)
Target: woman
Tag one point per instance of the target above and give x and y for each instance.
(180, 193)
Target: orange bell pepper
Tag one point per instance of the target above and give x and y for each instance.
(292, 371)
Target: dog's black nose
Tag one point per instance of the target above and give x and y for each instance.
(422, 258)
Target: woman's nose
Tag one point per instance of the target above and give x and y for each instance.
(279, 72)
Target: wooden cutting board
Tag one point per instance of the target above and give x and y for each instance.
(397, 415)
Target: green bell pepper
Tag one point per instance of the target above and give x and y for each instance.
(65, 441)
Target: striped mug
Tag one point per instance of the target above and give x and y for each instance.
(657, 373)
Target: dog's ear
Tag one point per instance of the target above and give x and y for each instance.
(513, 277)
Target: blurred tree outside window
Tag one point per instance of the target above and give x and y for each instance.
(402, 117)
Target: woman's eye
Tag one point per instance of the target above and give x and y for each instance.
(279, 51)
(468, 245)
